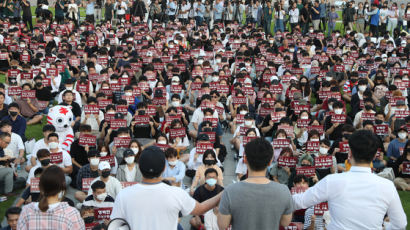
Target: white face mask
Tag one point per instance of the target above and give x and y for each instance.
(172, 163)
(323, 150)
(102, 196)
(291, 50)
(129, 160)
(215, 79)
(103, 154)
(94, 161)
(200, 61)
(175, 103)
(129, 94)
(384, 59)
(218, 60)
(304, 118)
(243, 112)
(329, 78)
(69, 88)
(314, 139)
(135, 150)
(53, 145)
(338, 111)
(393, 55)
(162, 142)
(310, 31)
(362, 88)
(248, 123)
(402, 135)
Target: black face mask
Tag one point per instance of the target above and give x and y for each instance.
(45, 162)
(105, 174)
(39, 84)
(304, 165)
(353, 80)
(13, 113)
(378, 122)
(209, 162)
(88, 219)
(368, 107)
(278, 109)
(347, 136)
(303, 83)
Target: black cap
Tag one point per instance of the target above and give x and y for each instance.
(128, 152)
(69, 81)
(403, 127)
(93, 153)
(203, 137)
(152, 162)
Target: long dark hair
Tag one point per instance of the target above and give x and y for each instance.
(52, 181)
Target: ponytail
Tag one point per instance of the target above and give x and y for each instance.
(43, 203)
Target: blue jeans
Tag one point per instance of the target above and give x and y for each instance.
(266, 26)
(279, 25)
(199, 20)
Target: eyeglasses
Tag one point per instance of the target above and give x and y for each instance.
(214, 96)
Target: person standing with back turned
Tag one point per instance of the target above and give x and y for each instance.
(257, 202)
(357, 199)
(153, 204)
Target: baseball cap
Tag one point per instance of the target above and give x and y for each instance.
(403, 127)
(152, 161)
(128, 152)
(104, 165)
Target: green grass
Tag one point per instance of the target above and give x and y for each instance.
(5, 205)
(405, 201)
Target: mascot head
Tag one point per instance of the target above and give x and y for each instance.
(61, 117)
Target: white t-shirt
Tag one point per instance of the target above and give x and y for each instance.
(112, 186)
(153, 207)
(198, 116)
(185, 8)
(15, 144)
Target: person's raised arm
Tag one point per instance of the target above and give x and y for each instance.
(202, 208)
(314, 195)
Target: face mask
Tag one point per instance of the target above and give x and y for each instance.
(362, 88)
(337, 34)
(346, 136)
(61, 195)
(103, 154)
(128, 94)
(88, 219)
(329, 78)
(175, 103)
(310, 31)
(243, 112)
(314, 139)
(304, 118)
(161, 119)
(200, 61)
(323, 150)
(13, 113)
(45, 162)
(211, 182)
(248, 123)
(94, 161)
(39, 84)
(129, 160)
(105, 174)
(102, 196)
(172, 163)
(209, 162)
(53, 145)
(368, 107)
(271, 41)
(135, 150)
(162, 142)
(69, 88)
(247, 64)
(171, 46)
(402, 135)
(338, 111)
(215, 79)
(218, 60)
(291, 50)
(384, 59)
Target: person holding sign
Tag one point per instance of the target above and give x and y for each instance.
(325, 164)
(402, 169)
(86, 172)
(60, 157)
(153, 204)
(99, 199)
(396, 146)
(50, 212)
(334, 129)
(348, 194)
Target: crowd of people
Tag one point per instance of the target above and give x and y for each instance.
(140, 96)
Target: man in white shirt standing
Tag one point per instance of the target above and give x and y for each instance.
(153, 204)
(357, 199)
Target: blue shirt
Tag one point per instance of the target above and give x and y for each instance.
(218, 11)
(90, 9)
(315, 16)
(172, 8)
(374, 19)
(178, 172)
(394, 148)
(322, 11)
(18, 126)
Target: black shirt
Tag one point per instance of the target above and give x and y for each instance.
(43, 94)
(337, 132)
(26, 9)
(4, 112)
(78, 153)
(75, 108)
(202, 194)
